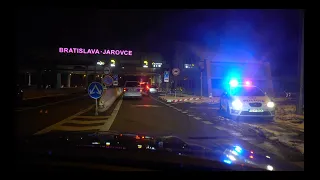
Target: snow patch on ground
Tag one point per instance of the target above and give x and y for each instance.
(283, 135)
(285, 115)
(285, 109)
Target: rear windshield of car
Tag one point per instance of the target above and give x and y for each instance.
(132, 84)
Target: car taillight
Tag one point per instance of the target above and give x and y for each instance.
(124, 89)
(147, 87)
(140, 90)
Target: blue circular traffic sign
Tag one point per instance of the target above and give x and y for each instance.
(95, 90)
(107, 80)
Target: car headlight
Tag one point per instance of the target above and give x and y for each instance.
(270, 104)
(237, 104)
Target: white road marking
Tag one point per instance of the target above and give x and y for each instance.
(55, 126)
(50, 103)
(221, 128)
(248, 138)
(207, 122)
(86, 122)
(91, 117)
(111, 119)
(236, 134)
(185, 112)
(176, 109)
(197, 118)
(190, 115)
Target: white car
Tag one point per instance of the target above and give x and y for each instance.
(132, 89)
(153, 89)
(247, 101)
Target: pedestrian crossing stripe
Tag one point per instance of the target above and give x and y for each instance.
(78, 123)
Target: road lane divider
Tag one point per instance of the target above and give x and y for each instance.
(109, 96)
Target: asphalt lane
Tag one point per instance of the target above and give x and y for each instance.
(211, 113)
(38, 102)
(152, 117)
(45, 112)
(149, 116)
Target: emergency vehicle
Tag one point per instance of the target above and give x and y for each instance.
(246, 100)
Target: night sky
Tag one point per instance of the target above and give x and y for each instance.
(271, 34)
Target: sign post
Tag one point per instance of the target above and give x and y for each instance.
(201, 67)
(166, 80)
(201, 83)
(115, 80)
(107, 70)
(175, 72)
(95, 91)
(107, 80)
(96, 112)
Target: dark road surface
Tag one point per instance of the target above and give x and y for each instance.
(148, 116)
(34, 115)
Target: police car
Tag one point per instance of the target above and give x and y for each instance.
(246, 100)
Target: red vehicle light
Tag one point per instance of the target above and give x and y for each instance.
(124, 89)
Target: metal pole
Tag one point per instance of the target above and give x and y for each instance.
(301, 93)
(201, 83)
(96, 113)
